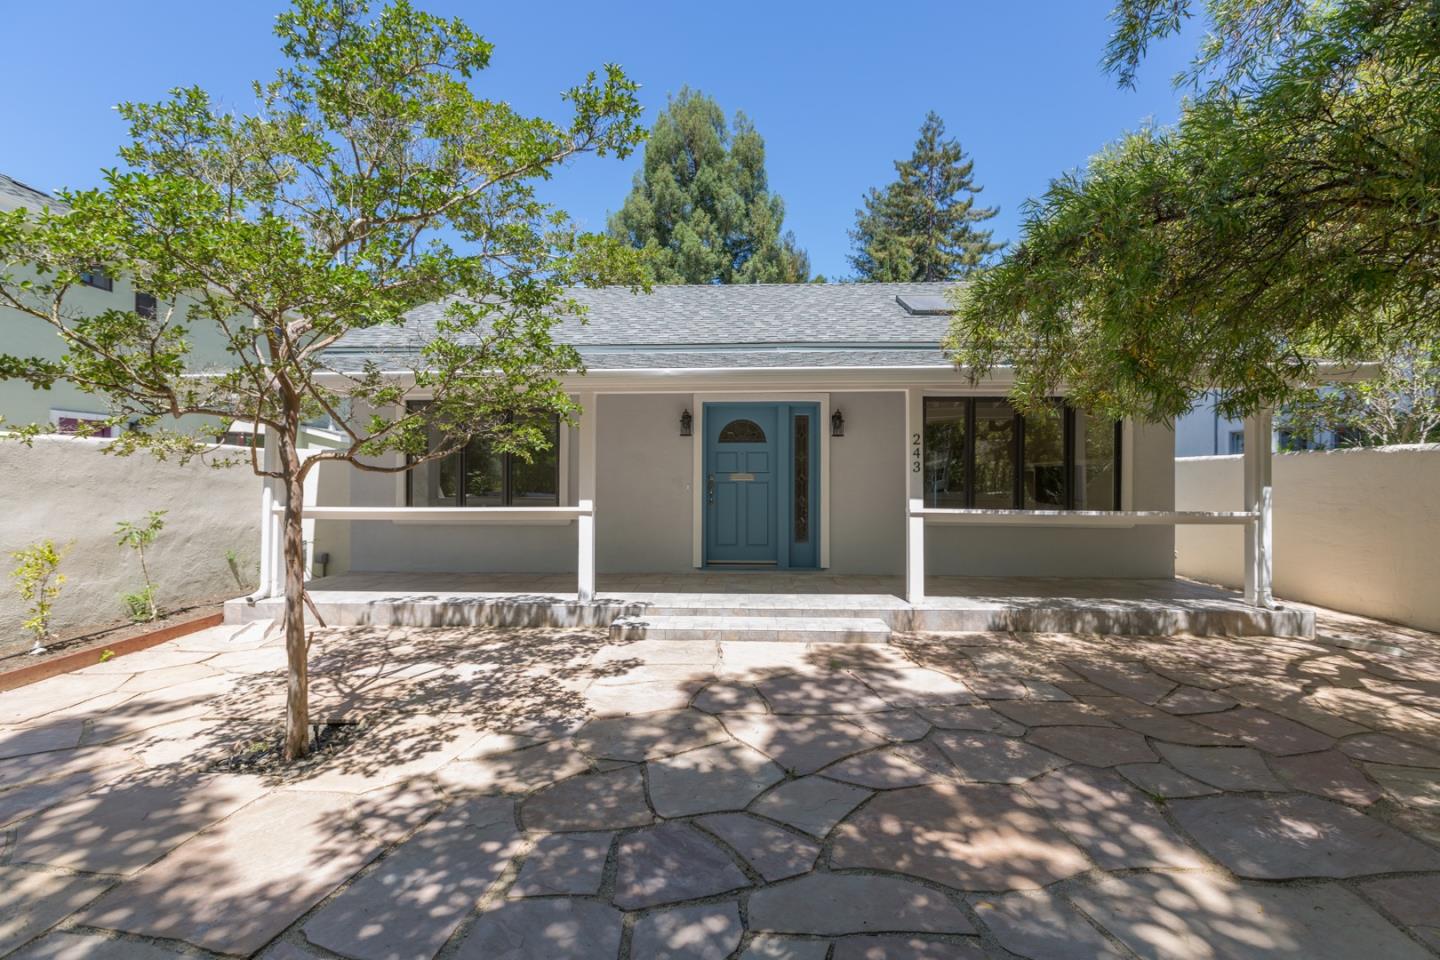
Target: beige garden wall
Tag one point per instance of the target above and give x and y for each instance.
(66, 490)
(1355, 530)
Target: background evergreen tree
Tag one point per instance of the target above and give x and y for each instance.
(923, 225)
(701, 208)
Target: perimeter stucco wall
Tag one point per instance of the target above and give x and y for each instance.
(645, 503)
(1355, 530)
(66, 490)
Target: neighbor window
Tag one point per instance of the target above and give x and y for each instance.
(97, 278)
(981, 453)
(145, 305)
(479, 476)
(1237, 442)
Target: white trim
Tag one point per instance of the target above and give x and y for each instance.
(1082, 518)
(540, 516)
(697, 477)
(56, 412)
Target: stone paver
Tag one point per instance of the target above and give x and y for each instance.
(991, 758)
(771, 851)
(547, 793)
(802, 744)
(242, 883)
(1163, 781)
(562, 929)
(1329, 774)
(414, 901)
(1170, 916)
(906, 948)
(1093, 746)
(973, 837)
(1414, 901)
(726, 776)
(598, 801)
(1041, 926)
(811, 804)
(1280, 838)
(706, 932)
(1265, 731)
(828, 904)
(564, 863)
(1229, 768)
(670, 863)
(1110, 820)
(33, 900)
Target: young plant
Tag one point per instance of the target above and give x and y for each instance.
(39, 578)
(138, 536)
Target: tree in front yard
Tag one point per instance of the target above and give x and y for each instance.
(370, 179)
(924, 225)
(1292, 213)
(701, 207)
(1400, 405)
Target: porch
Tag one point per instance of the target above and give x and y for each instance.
(815, 606)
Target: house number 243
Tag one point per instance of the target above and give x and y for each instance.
(914, 453)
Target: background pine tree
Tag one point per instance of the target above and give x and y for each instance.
(701, 207)
(922, 227)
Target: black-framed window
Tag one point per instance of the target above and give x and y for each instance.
(479, 476)
(980, 452)
(97, 278)
(146, 305)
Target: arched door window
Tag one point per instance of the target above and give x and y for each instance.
(742, 431)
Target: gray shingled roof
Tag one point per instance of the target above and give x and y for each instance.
(14, 195)
(703, 326)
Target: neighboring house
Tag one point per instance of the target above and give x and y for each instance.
(1203, 432)
(789, 427)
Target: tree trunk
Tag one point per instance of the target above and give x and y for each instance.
(297, 696)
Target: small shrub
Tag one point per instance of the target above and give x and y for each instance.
(138, 536)
(140, 605)
(39, 580)
(106, 656)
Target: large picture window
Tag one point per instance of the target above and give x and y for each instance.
(982, 453)
(478, 476)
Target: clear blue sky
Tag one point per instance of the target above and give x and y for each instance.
(837, 89)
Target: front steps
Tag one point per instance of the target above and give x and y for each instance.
(784, 629)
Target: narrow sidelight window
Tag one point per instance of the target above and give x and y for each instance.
(802, 478)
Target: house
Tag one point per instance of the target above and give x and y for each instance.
(1205, 432)
(814, 434)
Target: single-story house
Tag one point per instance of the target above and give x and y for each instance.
(812, 430)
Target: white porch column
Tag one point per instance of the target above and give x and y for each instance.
(914, 496)
(274, 521)
(585, 567)
(267, 503)
(1259, 558)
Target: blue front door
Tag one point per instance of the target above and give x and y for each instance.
(761, 484)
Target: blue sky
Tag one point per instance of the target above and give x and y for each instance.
(837, 89)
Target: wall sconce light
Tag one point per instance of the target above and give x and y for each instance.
(837, 424)
(686, 423)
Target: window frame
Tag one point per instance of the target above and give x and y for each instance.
(506, 483)
(1017, 494)
(97, 279)
(150, 312)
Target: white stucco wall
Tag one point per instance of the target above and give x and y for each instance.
(645, 503)
(1355, 530)
(66, 490)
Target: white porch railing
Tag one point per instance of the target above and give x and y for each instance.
(582, 514)
(1257, 521)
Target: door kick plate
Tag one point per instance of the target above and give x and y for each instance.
(743, 477)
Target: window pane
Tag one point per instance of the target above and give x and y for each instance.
(435, 484)
(1094, 463)
(1044, 477)
(994, 454)
(537, 483)
(944, 453)
(484, 475)
(802, 478)
(742, 431)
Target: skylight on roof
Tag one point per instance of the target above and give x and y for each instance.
(925, 305)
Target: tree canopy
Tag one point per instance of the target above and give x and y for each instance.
(372, 178)
(923, 225)
(1292, 214)
(701, 207)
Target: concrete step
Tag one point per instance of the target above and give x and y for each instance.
(782, 628)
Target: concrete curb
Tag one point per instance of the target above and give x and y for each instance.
(74, 660)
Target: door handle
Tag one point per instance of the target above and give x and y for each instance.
(710, 489)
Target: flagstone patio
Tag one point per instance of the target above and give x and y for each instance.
(556, 793)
